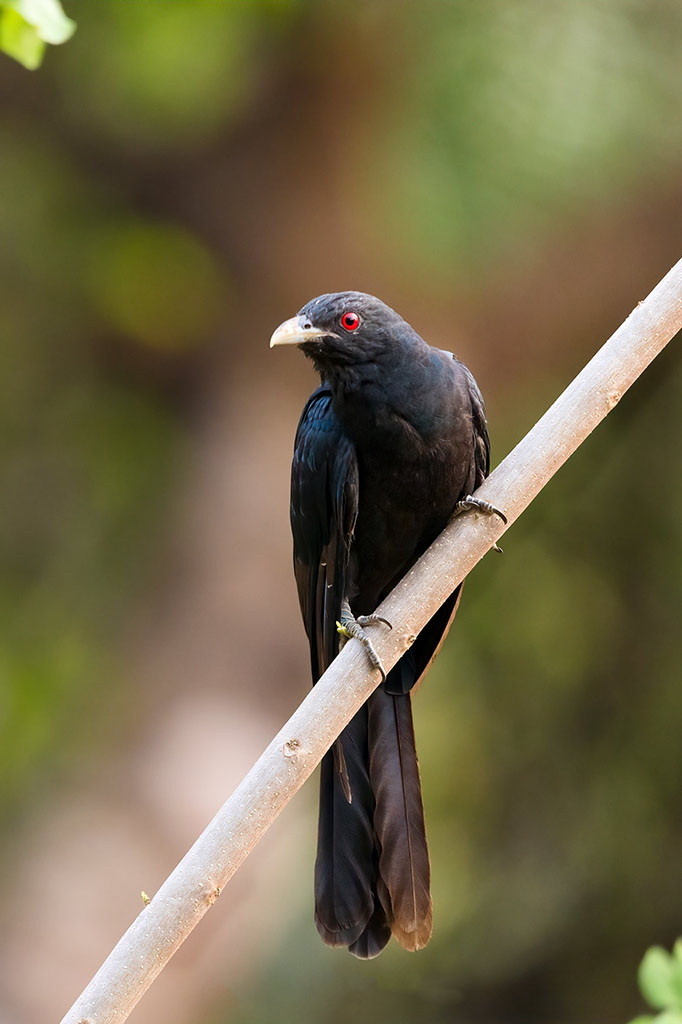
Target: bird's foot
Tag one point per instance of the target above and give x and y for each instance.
(469, 502)
(350, 627)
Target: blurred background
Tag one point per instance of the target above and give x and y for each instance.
(175, 181)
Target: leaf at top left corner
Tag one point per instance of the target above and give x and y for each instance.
(47, 18)
(20, 40)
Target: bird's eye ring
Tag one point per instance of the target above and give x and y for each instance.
(350, 321)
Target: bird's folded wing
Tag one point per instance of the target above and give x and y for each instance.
(324, 508)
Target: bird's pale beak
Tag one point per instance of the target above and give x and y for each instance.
(295, 332)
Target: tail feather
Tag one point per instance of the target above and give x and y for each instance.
(399, 819)
(375, 936)
(345, 865)
(372, 873)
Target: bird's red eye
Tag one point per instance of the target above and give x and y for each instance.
(350, 321)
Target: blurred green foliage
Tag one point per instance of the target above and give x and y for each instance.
(95, 285)
(457, 138)
(27, 25)
(85, 466)
(515, 116)
(160, 75)
(155, 283)
(100, 295)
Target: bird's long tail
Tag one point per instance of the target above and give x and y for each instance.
(372, 874)
(404, 878)
(346, 858)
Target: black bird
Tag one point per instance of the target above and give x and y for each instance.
(388, 448)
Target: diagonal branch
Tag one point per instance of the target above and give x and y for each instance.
(294, 753)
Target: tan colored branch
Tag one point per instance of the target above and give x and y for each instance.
(291, 757)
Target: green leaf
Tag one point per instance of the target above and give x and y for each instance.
(646, 1019)
(657, 979)
(20, 40)
(46, 17)
(677, 973)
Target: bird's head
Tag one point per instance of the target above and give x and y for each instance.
(343, 329)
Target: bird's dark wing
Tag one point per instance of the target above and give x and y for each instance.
(324, 508)
(414, 665)
(479, 424)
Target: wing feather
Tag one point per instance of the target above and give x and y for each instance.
(324, 508)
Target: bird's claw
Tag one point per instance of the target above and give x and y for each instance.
(372, 620)
(469, 502)
(350, 627)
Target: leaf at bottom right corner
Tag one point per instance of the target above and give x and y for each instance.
(657, 981)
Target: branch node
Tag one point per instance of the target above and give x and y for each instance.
(291, 748)
(213, 894)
